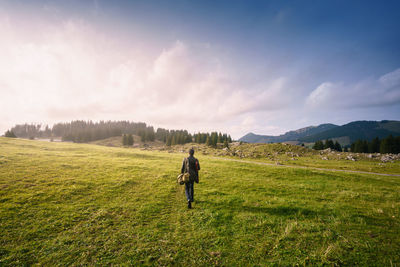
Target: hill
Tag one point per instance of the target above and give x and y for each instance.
(288, 136)
(364, 130)
(81, 204)
(345, 134)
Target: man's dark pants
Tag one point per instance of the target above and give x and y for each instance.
(189, 191)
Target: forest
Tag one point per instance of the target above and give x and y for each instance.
(386, 145)
(80, 131)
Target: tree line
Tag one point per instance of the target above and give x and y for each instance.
(389, 144)
(83, 131)
(212, 139)
(80, 131)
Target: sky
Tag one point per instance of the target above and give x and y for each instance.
(231, 66)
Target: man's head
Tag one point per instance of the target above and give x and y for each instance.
(191, 152)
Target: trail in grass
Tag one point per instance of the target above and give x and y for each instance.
(304, 167)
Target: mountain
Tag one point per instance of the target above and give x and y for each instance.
(345, 134)
(364, 130)
(288, 136)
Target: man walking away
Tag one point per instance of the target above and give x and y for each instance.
(192, 166)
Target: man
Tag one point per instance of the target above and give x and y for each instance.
(192, 166)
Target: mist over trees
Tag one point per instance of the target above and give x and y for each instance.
(86, 131)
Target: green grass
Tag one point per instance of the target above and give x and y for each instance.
(63, 204)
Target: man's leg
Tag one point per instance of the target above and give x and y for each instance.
(188, 191)
(192, 191)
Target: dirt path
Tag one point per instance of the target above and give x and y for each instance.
(305, 167)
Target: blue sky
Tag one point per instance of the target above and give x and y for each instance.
(234, 66)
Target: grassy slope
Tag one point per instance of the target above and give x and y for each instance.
(83, 204)
(297, 156)
(116, 141)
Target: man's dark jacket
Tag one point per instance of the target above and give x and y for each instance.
(194, 167)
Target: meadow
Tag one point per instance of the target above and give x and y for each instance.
(82, 204)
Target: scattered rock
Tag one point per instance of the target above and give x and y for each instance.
(350, 157)
(387, 158)
(324, 158)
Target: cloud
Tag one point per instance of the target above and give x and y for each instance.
(383, 91)
(70, 71)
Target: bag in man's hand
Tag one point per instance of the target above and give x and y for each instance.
(183, 178)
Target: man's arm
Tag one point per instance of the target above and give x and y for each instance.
(198, 164)
(183, 166)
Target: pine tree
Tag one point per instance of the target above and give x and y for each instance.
(396, 148)
(124, 140)
(169, 140)
(374, 145)
(353, 147)
(390, 143)
(173, 140)
(10, 134)
(143, 136)
(319, 145)
(338, 147)
(358, 146)
(226, 144)
(130, 140)
(208, 141)
(214, 139)
(365, 146)
(329, 144)
(387, 145)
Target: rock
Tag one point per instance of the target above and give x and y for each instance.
(387, 158)
(324, 158)
(350, 157)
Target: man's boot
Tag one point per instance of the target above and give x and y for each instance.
(189, 205)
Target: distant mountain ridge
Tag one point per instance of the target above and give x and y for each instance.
(345, 134)
(363, 130)
(288, 136)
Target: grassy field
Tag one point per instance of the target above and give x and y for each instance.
(63, 203)
(282, 154)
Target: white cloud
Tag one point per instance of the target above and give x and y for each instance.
(366, 93)
(70, 71)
